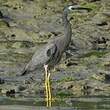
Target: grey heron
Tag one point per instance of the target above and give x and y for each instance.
(52, 52)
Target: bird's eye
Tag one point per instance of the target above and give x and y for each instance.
(72, 8)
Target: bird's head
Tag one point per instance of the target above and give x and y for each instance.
(76, 8)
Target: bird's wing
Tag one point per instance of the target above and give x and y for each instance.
(41, 57)
(45, 54)
(51, 50)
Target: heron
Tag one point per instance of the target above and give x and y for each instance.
(51, 53)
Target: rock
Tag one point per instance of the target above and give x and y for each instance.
(2, 81)
(107, 77)
(100, 77)
(93, 0)
(71, 62)
(1, 14)
(10, 93)
(21, 88)
(107, 13)
(23, 30)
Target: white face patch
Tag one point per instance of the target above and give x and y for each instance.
(70, 7)
(73, 7)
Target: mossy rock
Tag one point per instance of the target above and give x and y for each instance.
(95, 53)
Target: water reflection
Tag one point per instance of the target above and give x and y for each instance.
(32, 103)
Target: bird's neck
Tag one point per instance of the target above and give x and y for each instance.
(67, 29)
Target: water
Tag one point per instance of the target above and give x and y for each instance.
(34, 103)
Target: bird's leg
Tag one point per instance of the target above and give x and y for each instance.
(46, 84)
(49, 90)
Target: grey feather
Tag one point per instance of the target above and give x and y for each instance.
(52, 52)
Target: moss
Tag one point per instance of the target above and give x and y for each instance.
(13, 57)
(2, 2)
(93, 6)
(80, 17)
(20, 57)
(95, 53)
(64, 94)
(98, 77)
(17, 45)
(66, 79)
(3, 24)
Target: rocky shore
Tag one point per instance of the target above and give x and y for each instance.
(26, 25)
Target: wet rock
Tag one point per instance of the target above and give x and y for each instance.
(100, 43)
(99, 20)
(21, 88)
(103, 23)
(71, 62)
(100, 77)
(108, 44)
(107, 77)
(1, 15)
(10, 92)
(106, 14)
(107, 66)
(22, 27)
(2, 81)
(93, 0)
(90, 88)
(76, 87)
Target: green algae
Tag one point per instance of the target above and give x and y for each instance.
(64, 94)
(66, 79)
(92, 6)
(95, 53)
(13, 58)
(3, 24)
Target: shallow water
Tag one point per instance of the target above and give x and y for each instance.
(32, 103)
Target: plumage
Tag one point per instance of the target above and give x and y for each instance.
(51, 53)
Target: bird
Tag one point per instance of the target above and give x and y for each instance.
(51, 53)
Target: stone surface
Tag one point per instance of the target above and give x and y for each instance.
(83, 70)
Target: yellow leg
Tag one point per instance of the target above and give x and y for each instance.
(46, 90)
(49, 91)
(46, 85)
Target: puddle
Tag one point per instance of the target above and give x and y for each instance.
(34, 103)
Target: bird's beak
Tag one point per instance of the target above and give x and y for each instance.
(79, 8)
